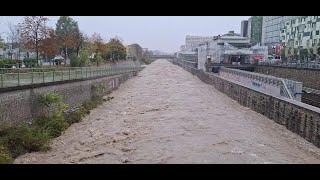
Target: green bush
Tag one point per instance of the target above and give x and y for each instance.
(48, 99)
(35, 137)
(8, 61)
(84, 58)
(54, 125)
(99, 60)
(76, 116)
(74, 60)
(145, 61)
(25, 138)
(97, 100)
(90, 105)
(5, 156)
(30, 62)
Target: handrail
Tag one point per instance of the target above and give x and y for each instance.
(263, 78)
(287, 91)
(16, 77)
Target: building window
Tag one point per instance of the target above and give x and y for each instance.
(317, 32)
(296, 42)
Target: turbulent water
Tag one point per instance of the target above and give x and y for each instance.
(167, 115)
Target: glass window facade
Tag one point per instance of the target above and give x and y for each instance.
(272, 28)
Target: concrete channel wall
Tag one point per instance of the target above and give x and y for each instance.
(19, 104)
(298, 117)
(309, 77)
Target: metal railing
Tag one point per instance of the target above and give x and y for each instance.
(17, 77)
(287, 87)
(307, 65)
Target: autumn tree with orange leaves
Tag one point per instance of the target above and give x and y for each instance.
(98, 47)
(33, 31)
(50, 44)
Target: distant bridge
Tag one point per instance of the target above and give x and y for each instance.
(162, 57)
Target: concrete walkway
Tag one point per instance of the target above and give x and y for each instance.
(166, 115)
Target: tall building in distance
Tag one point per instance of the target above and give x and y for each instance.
(301, 33)
(255, 29)
(249, 28)
(252, 28)
(244, 28)
(271, 26)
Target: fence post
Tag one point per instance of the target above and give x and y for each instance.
(86, 73)
(69, 73)
(31, 76)
(53, 75)
(1, 78)
(18, 76)
(42, 75)
(62, 75)
(76, 72)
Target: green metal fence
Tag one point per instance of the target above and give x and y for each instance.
(24, 76)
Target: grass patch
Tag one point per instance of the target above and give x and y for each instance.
(23, 139)
(54, 125)
(77, 115)
(5, 156)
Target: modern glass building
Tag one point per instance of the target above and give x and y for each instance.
(271, 26)
(255, 29)
(244, 28)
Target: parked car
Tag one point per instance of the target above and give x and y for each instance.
(58, 60)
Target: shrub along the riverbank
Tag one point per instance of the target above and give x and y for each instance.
(36, 135)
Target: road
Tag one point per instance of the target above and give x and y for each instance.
(167, 115)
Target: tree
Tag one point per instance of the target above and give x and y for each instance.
(33, 31)
(296, 53)
(115, 49)
(74, 61)
(14, 37)
(80, 38)
(303, 54)
(50, 44)
(97, 47)
(312, 54)
(84, 57)
(283, 53)
(2, 45)
(66, 31)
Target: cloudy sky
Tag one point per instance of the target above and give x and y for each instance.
(164, 33)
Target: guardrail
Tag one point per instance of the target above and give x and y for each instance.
(259, 77)
(18, 77)
(288, 88)
(309, 65)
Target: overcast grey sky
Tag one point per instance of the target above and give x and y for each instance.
(164, 33)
